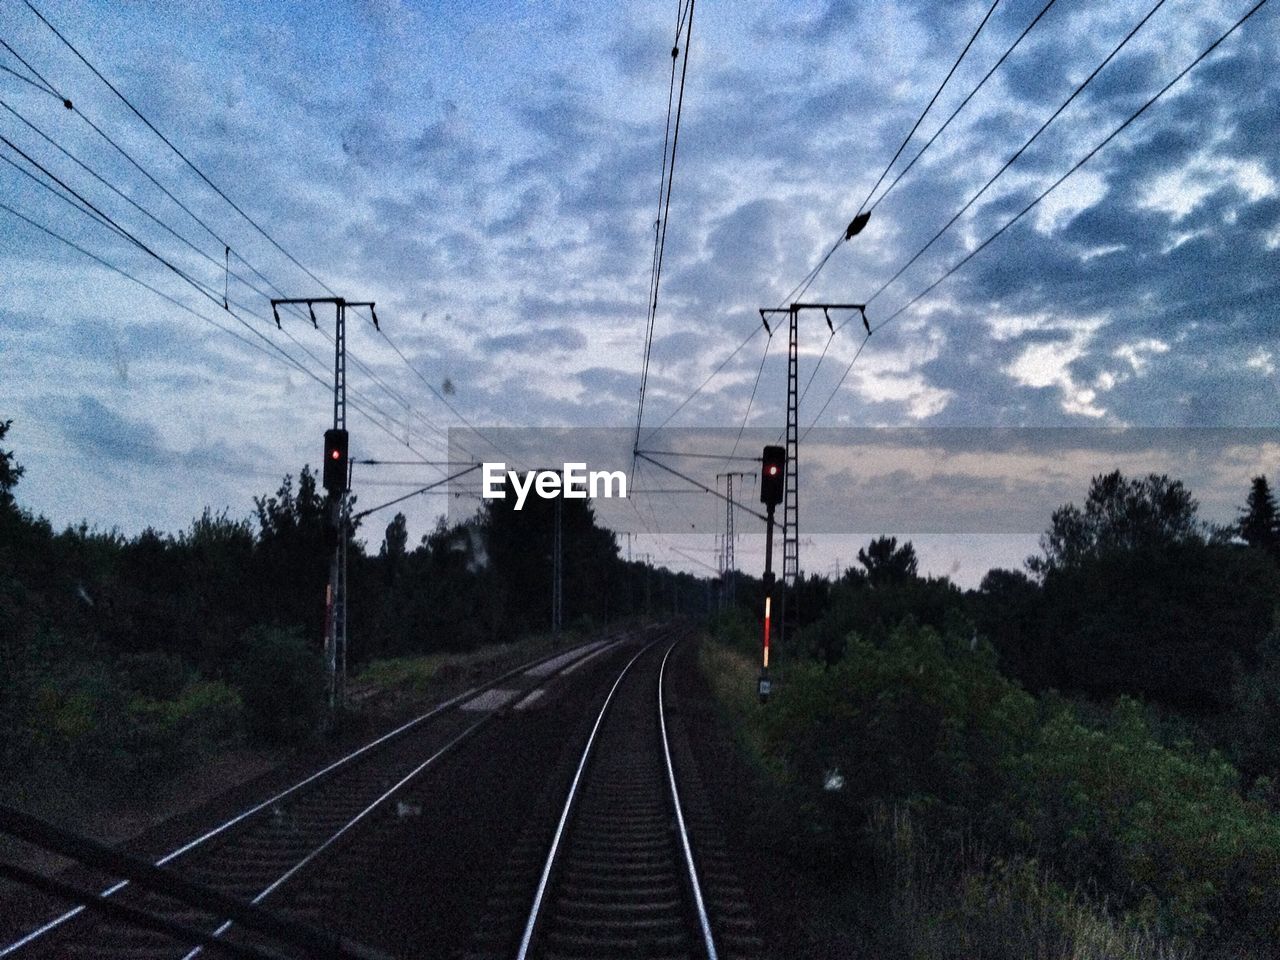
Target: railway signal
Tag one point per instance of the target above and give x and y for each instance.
(773, 473)
(773, 476)
(335, 461)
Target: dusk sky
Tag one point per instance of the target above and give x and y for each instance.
(489, 173)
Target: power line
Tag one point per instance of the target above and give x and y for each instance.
(44, 84)
(804, 285)
(963, 103)
(256, 289)
(929, 106)
(666, 183)
(150, 126)
(1020, 151)
(25, 79)
(1053, 186)
(755, 330)
(142, 283)
(86, 207)
(751, 400)
(186, 160)
(439, 396)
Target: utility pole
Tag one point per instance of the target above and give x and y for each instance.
(791, 499)
(557, 573)
(337, 485)
(730, 572)
(772, 477)
(647, 560)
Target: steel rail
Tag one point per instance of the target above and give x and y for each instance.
(526, 939)
(350, 824)
(33, 935)
(704, 923)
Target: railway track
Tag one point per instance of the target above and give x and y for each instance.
(271, 844)
(632, 866)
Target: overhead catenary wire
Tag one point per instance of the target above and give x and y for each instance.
(279, 355)
(352, 356)
(802, 287)
(751, 399)
(1008, 163)
(959, 264)
(87, 208)
(963, 103)
(43, 84)
(1080, 87)
(209, 182)
(25, 79)
(755, 331)
(172, 146)
(684, 28)
(928, 106)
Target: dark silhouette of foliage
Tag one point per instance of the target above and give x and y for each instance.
(1259, 524)
(10, 471)
(1118, 515)
(1007, 610)
(886, 562)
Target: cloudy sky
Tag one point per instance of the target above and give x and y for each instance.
(488, 173)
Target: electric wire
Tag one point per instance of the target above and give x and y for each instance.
(810, 277)
(963, 103)
(1020, 151)
(26, 79)
(203, 177)
(755, 331)
(279, 355)
(172, 146)
(929, 106)
(750, 400)
(802, 287)
(354, 358)
(1053, 186)
(684, 27)
(78, 202)
(47, 86)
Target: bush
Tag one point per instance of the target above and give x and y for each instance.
(281, 681)
(927, 724)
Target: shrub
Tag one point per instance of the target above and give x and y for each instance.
(281, 681)
(927, 724)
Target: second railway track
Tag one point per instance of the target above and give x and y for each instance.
(268, 845)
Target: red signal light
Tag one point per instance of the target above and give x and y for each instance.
(335, 461)
(771, 479)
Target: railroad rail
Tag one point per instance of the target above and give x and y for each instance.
(253, 854)
(620, 873)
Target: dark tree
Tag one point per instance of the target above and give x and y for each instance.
(10, 472)
(395, 540)
(1259, 521)
(1119, 515)
(888, 563)
(1137, 599)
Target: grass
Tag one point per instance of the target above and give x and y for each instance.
(417, 675)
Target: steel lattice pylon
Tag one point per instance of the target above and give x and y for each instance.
(791, 494)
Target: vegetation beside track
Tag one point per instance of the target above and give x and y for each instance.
(130, 662)
(1079, 763)
(933, 808)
